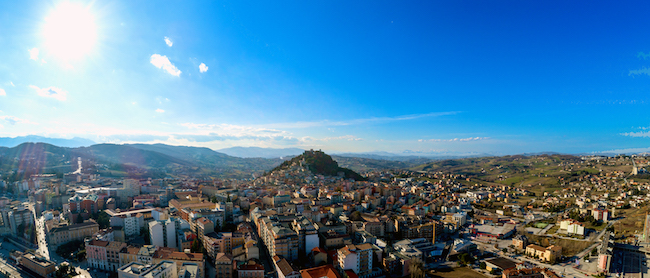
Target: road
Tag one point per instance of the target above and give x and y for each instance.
(45, 251)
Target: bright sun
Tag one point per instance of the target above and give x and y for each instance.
(70, 32)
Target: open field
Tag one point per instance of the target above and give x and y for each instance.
(569, 247)
(632, 223)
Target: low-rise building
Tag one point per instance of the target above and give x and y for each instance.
(164, 269)
(520, 242)
(499, 264)
(37, 264)
(548, 254)
(65, 233)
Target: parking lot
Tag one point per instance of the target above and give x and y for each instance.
(629, 264)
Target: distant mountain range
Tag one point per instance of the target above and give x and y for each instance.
(135, 160)
(159, 160)
(250, 152)
(62, 142)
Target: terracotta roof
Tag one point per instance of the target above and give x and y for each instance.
(555, 248)
(536, 247)
(524, 271)
(320, 272)
(222, 257)
(203, 220)
(175, 255)
(131, 250)
(99, 243)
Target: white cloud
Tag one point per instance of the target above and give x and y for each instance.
(51, 92)
(360, 121)
(33, 54)
(160, 110)
(12, 84)
(169, 41)
(2, 92)
(455, 139)
(162, 62)
(203, 68)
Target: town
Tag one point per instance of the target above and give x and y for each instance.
(514, 216)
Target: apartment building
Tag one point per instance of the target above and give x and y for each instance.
(357, 258)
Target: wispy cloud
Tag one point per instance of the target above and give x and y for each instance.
(162, 62)
(628, 150)
(12, 120)
(233, 129)
(2, 92)
(326, 139)
(360, 121)
(643, 55)
(51, 92)
(203, 68)
(641, 71)
(637, 134)
(455, 139)
(160, 110)
(33, 53)
(169, 41)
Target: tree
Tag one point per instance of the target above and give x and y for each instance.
(103, 219)
(80, 219)
(144, 232)
(64, 271)
(416, 267)
(355, 216)
(196, 247)
(482, 265)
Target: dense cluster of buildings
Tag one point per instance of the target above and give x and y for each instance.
(294, 223)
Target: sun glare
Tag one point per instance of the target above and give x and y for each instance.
(70, 32)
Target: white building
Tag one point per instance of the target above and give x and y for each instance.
(460, 218)
(163, 233)
(600, 214)
(572, 227)
(357, 258)
(163, 269)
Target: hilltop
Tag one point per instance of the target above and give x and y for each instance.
(319, 163)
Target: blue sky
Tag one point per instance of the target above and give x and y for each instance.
(501, 77)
